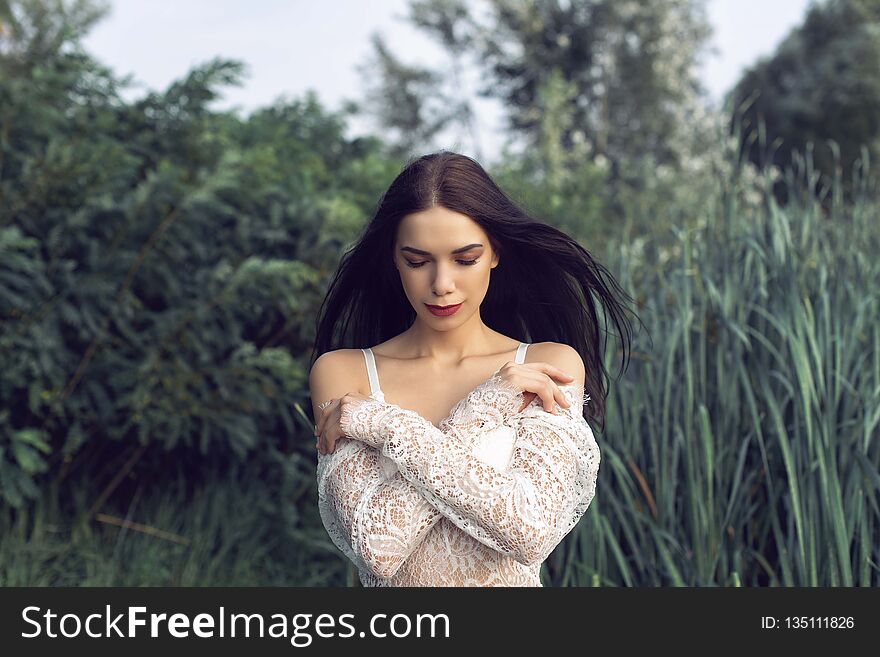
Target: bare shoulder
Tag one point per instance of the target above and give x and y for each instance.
(560, 355)
(334, 374)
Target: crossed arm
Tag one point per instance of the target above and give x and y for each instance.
(385, 486)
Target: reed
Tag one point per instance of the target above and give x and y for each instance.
(742, 444)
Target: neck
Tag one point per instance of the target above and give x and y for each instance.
(451, 346)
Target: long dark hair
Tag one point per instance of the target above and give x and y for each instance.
(541, 290)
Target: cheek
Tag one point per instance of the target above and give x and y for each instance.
(408, 276)
(411, 281)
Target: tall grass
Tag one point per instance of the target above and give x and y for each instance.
(742, 445)
(241, 527)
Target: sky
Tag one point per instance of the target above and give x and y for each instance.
(290, 46)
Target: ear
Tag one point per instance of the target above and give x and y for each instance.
(495, 260)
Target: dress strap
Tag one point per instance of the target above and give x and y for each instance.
(521, 353)
(371, 371)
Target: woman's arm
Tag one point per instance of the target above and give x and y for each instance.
(374, 518)
(490, 404)
(374, 515)
(523, 511)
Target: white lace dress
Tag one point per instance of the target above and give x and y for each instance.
(481, 501)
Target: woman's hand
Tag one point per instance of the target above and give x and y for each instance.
(533, 379)
(329, 429)
(536, 380)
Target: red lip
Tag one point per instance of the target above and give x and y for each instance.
(443, 311)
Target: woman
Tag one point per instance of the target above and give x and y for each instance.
(421, 490)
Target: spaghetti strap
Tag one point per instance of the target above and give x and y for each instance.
(372, 373)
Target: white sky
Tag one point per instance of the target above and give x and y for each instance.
(290, 46)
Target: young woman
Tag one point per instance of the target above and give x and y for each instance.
(452, 453)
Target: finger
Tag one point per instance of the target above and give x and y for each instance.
(527, 399)
(561, 399)
(549, 398)
(556, 373)
(544, 390)
(322, 439)
(555, 395)
(325, 413)
(550, 370)
(322, 417)
(558, 397)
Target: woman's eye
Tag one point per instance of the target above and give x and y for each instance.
(468, 263)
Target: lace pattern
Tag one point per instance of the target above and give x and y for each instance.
(482, 501)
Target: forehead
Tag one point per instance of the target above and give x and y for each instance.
(439, 228)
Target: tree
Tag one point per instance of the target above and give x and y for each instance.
(415, 102)
(161, 263)
(404, 99)
(32, 30)
(822, 85)
(631, 67)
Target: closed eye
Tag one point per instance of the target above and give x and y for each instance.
(467, 263)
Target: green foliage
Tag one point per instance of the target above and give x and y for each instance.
(821, 88)
(160, 265)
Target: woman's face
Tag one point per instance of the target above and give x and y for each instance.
(444, 258)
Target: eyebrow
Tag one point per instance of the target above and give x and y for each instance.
(420, 252)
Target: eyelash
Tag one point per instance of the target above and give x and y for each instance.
(467, 263)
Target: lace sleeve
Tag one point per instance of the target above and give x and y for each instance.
(372, 513)
(523, 511)
(374, 516)
(488, 405)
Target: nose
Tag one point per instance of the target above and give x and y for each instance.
(443, 283)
